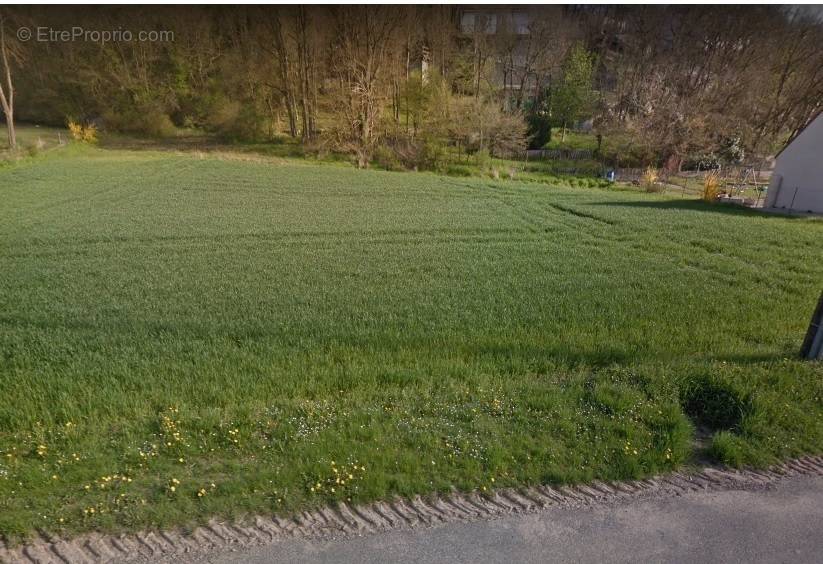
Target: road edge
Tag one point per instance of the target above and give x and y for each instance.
(420, 511)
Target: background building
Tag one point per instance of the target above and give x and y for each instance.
(797, 181)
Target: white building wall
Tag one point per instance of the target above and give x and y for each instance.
(797, 181)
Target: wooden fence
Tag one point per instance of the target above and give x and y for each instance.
(559, 154)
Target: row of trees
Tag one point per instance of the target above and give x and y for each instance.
(416, 81)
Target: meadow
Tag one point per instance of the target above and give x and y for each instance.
(188, 335)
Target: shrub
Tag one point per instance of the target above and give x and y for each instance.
(432, 155)
(540, 131)
(706, 161)
(76, 130)
(156, 124)
(482, 158)
(411, 154)
(650, 180)
(146, 119)
(34, 149)
(732, 150)
(715, 403)
(83, 133)
(711, 187)
(482, 125)
(387, 159)
(458, 170)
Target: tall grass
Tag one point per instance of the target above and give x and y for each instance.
(169, 321)
(711, 187)
(650, 181)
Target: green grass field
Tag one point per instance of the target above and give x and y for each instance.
(182, 337)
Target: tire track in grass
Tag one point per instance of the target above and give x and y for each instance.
(343, 520)
(579, 213)
(667, 248)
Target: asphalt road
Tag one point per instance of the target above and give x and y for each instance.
(782, 524)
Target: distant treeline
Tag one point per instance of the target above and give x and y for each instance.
(410, 84)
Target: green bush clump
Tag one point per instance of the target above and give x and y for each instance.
(148, 119)
(727, 448)
(715, 403)
(458, 170)
(387, 159)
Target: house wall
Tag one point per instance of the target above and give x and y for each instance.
(798, 174)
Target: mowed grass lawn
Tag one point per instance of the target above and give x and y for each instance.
(182, 337)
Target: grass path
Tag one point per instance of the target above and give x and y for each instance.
(184, 337)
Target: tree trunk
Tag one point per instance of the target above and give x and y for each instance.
(291, 109)
(12, 136)
(285, 76)
(477, 75)
(408, 63)
(305, 75)
(7, 90)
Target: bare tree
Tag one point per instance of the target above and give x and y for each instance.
(6, 85)
(285, 70)
(306, 62)
(793, 84)
(362, 49)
